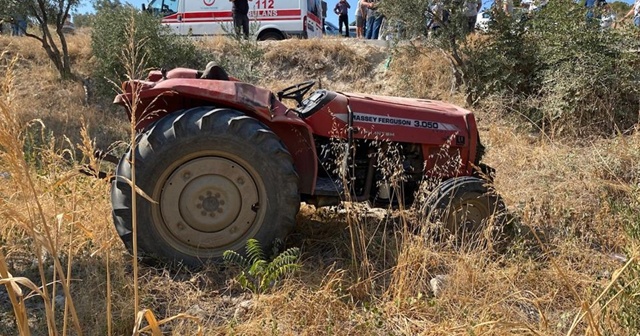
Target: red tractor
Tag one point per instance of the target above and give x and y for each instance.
(222, 161)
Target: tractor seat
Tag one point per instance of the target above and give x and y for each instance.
(214, 72)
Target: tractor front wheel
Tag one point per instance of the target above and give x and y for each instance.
(466, 207)
(216, 178)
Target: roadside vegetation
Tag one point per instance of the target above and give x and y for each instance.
(47, 17)
(559, 121)
(553, 68)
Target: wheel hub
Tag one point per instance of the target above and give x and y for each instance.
(468, 216)
(208, 203)
(211, 204)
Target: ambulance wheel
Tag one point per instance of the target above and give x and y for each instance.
(271, 36)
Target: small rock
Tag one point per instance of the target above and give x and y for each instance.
(438, 283)
(197, 311)
(619, 257)
(242, 309)
(603, 275)
(376, 213)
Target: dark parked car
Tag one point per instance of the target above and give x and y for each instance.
(331, 29)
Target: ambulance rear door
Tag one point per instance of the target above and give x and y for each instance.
(314, 17)
(207, 17)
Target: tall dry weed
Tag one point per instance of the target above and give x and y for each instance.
(33, 218)
(134, 62)
(16, 295)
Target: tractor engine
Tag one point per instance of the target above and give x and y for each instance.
(377, 171)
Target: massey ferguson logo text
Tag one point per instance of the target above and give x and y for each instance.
(386, 120)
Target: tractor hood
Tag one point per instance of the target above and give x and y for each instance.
(408, 104)
(391, 118)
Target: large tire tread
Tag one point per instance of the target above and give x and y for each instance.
(439, 204)
(193, 126)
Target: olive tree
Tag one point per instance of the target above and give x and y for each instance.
(48, 16)
(417, 17)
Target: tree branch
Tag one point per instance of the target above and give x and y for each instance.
(34, 37)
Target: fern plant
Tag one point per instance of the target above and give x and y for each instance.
(257, 274)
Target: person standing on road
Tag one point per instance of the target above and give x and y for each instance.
(438, 17)
(635, 10)
(342, 10)
(471, 11)
(324, 14)
(240, 9)
(14, 26)
(361, 16)
(374, 20)
(18, 25)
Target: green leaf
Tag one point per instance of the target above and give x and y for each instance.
(258, 275)
(232, 257)
(254, 251)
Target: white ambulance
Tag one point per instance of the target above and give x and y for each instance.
(268, 19)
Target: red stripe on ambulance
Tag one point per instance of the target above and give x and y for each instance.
(261, 15)
(315, 19)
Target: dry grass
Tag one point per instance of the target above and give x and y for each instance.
(577, 196)
(334, 59)
(422, 72)
(60, 105)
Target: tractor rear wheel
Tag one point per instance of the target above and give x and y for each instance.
(466, 206)
(216, 177)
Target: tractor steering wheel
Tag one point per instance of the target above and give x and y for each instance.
(296, 92)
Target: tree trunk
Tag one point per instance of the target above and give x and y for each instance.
(60, 60)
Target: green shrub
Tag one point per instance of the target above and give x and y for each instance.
(556, 68)
(161, 48)
(591, 85)
(505, 62)
(257, 274)
(575, 77)
(412, 17)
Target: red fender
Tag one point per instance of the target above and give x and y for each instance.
(181, 89)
